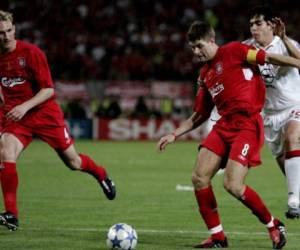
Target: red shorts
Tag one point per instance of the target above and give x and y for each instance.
(1, 119)
(47, 124)
(239, 138)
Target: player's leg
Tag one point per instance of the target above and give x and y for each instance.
(292, 166)
(244, 152)
(234, 178)
(58, 138)
(207, 164)
(274, 136)
(85, 164)
(10, 150)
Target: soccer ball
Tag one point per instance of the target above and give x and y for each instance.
(121, 236)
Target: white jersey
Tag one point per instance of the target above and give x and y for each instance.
(282, 82)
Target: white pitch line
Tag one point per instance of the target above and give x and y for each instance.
(152, 231)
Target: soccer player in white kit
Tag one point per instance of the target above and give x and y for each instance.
(282, 108)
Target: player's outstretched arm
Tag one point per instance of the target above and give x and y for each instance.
(282, 60)
(279, 30)
(191, 123)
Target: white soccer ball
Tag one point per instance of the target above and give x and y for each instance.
(121, 236)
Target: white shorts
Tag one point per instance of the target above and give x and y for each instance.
(275, 125)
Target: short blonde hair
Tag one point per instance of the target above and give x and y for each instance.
(6, 16)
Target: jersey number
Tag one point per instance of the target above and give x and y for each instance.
(248, 74)
(245, 149)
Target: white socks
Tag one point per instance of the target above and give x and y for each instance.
(292, 170)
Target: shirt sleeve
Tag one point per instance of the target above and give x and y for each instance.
(40, 68)
(248, 53)
(203, 102)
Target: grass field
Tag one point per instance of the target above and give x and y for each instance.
(60, 209)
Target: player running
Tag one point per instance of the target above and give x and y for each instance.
(30, 109)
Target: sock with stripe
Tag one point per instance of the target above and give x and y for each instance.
(208, 209)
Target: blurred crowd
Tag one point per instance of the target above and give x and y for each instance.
(103, 40)
(110, 108)
(130, 39)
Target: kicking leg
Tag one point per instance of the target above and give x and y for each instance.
(234, 178)
(85, 164)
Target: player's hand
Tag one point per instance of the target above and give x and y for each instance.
(164, 141)
(278, 27)
(17, 113)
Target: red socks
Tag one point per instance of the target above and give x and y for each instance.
(9, 184)
(208, 209)
(89, 166)
(252, 200)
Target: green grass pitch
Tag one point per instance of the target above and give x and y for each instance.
(64, 210)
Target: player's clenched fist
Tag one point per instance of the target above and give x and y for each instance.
(164, 141)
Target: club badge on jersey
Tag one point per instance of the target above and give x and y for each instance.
(22, 62)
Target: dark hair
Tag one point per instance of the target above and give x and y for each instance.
(262, 10)
(199, 30)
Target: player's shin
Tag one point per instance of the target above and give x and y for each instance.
(208, 209)
(89, 166)
(9, 184)
(252, 200)
(107, 185)
(292, 170)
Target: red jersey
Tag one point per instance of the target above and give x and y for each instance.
(23, 73)
(231, 81)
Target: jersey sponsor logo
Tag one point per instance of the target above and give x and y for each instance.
(11, 82)
(268, 75)
(217, 89)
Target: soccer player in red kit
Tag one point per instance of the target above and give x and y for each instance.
(230, 80)
(30, 109)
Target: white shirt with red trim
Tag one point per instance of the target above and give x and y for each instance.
(282, 82)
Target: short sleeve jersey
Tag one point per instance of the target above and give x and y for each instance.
(233, 80)
(23, 73)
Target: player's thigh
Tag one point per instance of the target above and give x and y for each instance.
(274, 132)
(11, 147)
(207, 163)
(292, 134)
(246, 147)
(235, 173)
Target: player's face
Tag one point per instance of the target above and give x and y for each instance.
(204, 50)
(260, 30)
(7, 36)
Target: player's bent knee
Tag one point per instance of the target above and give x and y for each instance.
(7, 154)
(200, 181)
(73, 164)
(233, 188)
